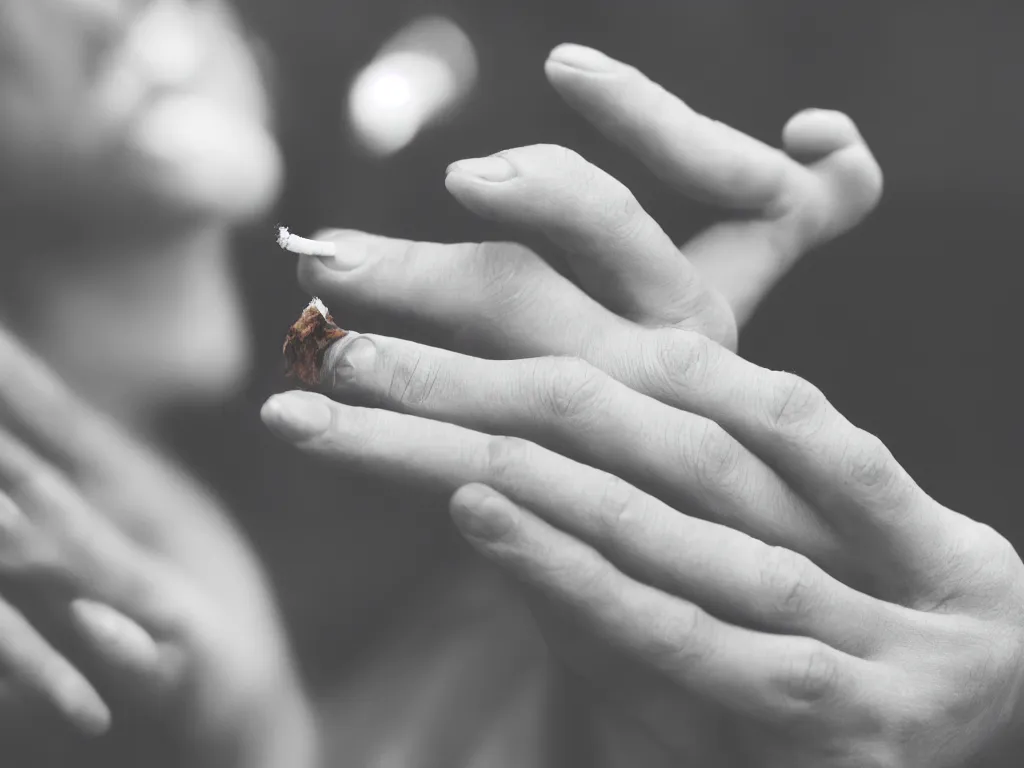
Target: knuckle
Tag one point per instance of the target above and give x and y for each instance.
(369, 427)
(787, 578)
(587, 573)
(683, 360)
(716, 458)
(869, 464)
(795, 406)
(810, 676)
(498, 266)
(414, 379)
(999, 550)
(569, 159)
(996, 561)
(573, 389)
(506, 456)
(624, 218)
(617, 508)
(415, 252)
(679, 641)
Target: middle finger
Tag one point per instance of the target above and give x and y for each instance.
(575, 409)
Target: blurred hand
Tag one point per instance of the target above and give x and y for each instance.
(813, 607)
(503, 300)
(126, 589)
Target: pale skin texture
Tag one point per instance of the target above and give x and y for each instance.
(738, 570)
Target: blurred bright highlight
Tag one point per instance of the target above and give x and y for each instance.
(418, 77)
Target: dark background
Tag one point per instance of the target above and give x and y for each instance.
(910, 325)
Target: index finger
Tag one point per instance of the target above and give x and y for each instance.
(704, 158)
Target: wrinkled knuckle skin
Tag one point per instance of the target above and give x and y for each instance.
(573, 390)
(500, 268)
(716, 459)
(568, 159)
(787, 581)
(678, 642)
(997, 565)
(685, 357)
(796, 407)
(869, 464)
(618, 506)
(507, 457)
(414, 380)
(622, 217)
(811, 678)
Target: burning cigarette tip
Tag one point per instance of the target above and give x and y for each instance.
(304, 246)
(319, 306)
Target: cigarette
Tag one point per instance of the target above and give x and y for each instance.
(303, 246)
(307, 341)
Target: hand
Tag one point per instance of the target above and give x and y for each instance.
(131, 592)
(503, 300)
(675, 617)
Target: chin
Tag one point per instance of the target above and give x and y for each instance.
(140, 329)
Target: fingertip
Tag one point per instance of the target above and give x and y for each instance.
(94, 719)
(481, 513)
(297, 416)
(858, 179)
(495, 169)
(115, 637)
(83, 706)
(460, 184)
(271, 410)
(582, 58)
(813, 134)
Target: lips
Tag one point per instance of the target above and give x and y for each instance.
(183, 134)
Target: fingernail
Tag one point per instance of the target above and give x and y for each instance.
(482, 513)
(115, 635)
(296, 416)
(492, 168)
(346, 359)
(583, 58)
(351, 249)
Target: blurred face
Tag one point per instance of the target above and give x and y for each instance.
(133, 136)
(127, 108)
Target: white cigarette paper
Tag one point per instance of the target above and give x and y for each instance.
(303, 246)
